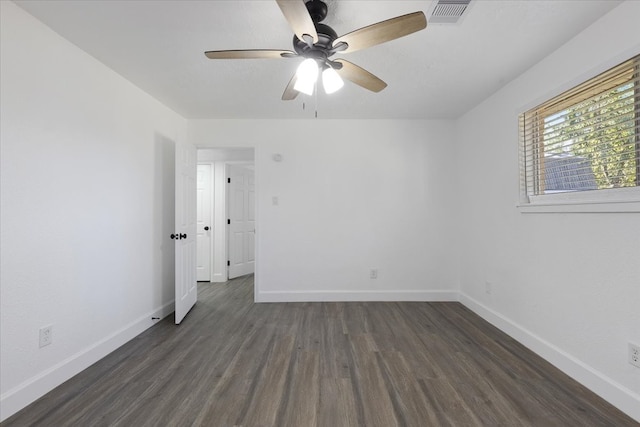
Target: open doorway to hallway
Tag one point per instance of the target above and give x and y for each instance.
(226, 193)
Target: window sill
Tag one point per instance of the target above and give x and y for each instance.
(600, 201)
(617, 207)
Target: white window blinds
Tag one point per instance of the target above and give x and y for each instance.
(587, 138)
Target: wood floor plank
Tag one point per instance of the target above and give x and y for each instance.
(225, 403)
(334, 360)
(410, 404)
(267, 390)
(337, 405)
(368, 381)
(235, 363)
(450, 407)
(299, 406)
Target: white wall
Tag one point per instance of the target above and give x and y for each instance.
(87, 205)
(353, 195)
(567, 285)
(225, 155)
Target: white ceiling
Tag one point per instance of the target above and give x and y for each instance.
(440, 72)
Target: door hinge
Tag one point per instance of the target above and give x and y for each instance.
(228, 263)
(228, 222)
(228, 180)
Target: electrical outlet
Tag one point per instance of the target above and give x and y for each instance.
(634, 354)
(373, 274)
(46, 335)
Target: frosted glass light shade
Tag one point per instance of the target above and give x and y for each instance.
(306, 76)
(331, 80)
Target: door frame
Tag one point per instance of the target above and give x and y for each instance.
(219, 266)
(211, 216)
(219, 253)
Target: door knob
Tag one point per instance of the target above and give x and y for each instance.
(206, 228)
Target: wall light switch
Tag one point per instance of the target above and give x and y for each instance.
(46, 335)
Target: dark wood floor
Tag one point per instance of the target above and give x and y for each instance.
(235, 363)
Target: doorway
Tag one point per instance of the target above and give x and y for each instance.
(226, 218)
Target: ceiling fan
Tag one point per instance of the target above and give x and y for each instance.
(317, 43)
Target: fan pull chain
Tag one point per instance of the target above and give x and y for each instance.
(315, 93)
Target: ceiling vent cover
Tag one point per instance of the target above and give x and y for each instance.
(448, 11)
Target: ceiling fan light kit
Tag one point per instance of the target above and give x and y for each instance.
(306, 76)
(331, 80)
(317, 43)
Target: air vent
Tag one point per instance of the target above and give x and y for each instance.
(448, 11)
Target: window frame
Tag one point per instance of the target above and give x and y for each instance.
(614, 200)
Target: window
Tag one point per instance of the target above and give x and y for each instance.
(585, 139)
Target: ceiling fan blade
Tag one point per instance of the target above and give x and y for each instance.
(360, 76)
(297, 15)
(382, 32)
(289, 92)
(249, 54)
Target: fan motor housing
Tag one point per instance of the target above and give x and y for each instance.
(326, 36)
(317, 10)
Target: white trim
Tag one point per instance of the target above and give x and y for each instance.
(219, 267)
(257, 154)
(353, 296)
(600, 207)
(212, 171)
(614, 200)
(618, 395)
(37, 386)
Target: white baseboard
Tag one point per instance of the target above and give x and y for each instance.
(219, 278)
(621, 397)
(333, 296)
(29, 391)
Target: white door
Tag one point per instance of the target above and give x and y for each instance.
(185, 232)
(241, 214)
(204, 222)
